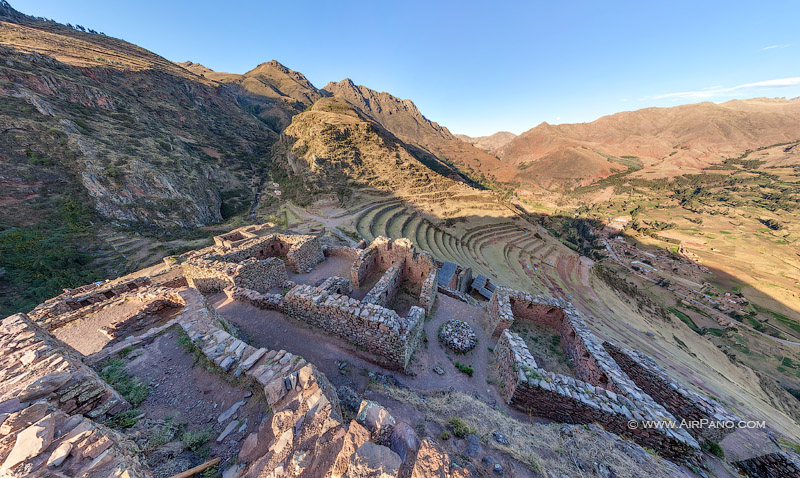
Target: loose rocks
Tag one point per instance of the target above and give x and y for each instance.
(457, 335)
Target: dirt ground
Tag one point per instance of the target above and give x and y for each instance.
(274, 330)
(190, 395)
(85, 335)
(332, 266)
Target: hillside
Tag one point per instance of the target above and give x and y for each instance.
(431, 142)
(655, 142)
(488, 143)
(270, 91)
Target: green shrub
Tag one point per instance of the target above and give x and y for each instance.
(131, 388)
(464, 368)
(459, 428)
(713, 448)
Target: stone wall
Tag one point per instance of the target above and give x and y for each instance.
(301, 251)
(681, 402)
(85, 296)
(211, 274)
(336, 285)
(348, 252)
(457, 295)
(36, 365)
(774, 465)
(568, 400)
(385, 289)
(418, 267)
(391, 338)
(590, 360)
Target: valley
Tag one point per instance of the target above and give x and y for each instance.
(280, 241)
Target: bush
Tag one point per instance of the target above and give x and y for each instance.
(459, 428)
(464, 368)
(713, 448)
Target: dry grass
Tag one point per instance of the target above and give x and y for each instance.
(540, 447)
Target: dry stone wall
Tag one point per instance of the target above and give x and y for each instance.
(590, 360)
(681, 402)
(384, 290)
(416, 266)
(774, 465)
(35, 365)
(71, 300)
(347, 252)
(301, 251)
(38, 440)
(210, 274)
(568, 400)
(391, 338)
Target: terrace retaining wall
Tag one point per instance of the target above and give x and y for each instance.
(773, 465)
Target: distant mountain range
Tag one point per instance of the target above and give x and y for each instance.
(656, 141)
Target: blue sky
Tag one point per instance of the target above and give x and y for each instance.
(475, 67)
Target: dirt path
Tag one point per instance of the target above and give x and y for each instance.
(182, 389)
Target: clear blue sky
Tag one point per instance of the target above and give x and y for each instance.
(479, 68)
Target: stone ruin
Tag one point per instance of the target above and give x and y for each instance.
(257, 263)
(601, 393)
(53, 404)
(368, 323)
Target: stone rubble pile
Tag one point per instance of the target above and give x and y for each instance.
(458, 335)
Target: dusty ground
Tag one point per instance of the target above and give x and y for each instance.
(332, 266)
(193, 398)
(85, 334)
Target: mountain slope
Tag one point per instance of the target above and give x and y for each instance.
(270, 91)
(430, 141)
(489, 143)
(660, 142)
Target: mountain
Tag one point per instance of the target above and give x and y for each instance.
(142, 139)
(658, 142)
(489, 143)
(436, 146)
(270, 91)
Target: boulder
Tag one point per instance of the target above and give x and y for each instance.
(30, 442)
(374, 461)
(374, 417)
(355, 437)
(431, 462)
(44, 386)
(404, 441)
